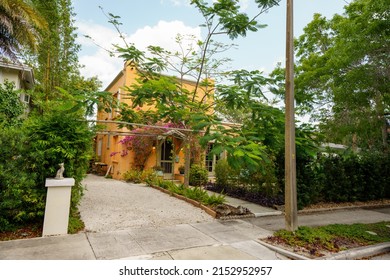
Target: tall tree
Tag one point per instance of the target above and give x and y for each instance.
(222, 17)
(19, 27)
(189, 108)
(343, 73)
(57, 61)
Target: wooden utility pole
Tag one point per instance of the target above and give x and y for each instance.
(290, 156)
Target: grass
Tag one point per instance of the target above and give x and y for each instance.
(75, 224)
(333, 238)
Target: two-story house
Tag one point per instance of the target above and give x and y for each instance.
(166, 149)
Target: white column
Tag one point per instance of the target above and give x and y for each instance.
(57, 206)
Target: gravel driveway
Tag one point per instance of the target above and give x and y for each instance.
(110, 205)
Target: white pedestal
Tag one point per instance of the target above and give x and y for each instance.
(57, 206)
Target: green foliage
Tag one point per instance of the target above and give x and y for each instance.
(342, 178)
(358, 232)
(229, 19)
(175, 188)
(342, 70)
(54, 138)
(55, 131)
(194, 193)
(198, 175)
(76, 224)
(56, 63)
(223, 173)
(214, 199)
(140, 176)
(133, 176)
(20, 24)
(11, 108)
(31, 154)
(328, 237)
(21, 201)
(165, 184)
(308, 238)
(245, 183)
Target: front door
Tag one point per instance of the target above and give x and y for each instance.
(166, 156)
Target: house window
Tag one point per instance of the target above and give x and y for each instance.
(25, 98)
(211, 159)
(100, 145)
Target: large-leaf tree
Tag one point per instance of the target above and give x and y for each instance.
(173, 100)
(343, 74)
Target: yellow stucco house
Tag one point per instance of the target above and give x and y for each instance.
(165, 148)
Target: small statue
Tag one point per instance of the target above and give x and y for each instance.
(60, 172)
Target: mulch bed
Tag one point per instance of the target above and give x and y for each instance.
(28, 231)
(315, 250)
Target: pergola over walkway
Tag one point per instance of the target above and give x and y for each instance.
(161, 132)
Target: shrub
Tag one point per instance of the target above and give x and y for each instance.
(195, 193)
(21, 200)
(133, 176)
(198, 175)
(165, 184)
(214, 199)
(178, 189)
(30, 154)
(139, 176)
(11, 108)
(222, 173)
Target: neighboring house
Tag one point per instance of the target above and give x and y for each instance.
(166, 151)
(22, 76)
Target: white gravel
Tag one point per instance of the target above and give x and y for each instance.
(110, 205)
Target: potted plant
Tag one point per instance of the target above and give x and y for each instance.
(159, 170)
(181, 169)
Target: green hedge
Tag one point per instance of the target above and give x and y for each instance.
(343, 178)
(325, 178)
(30, 154)
(353, 177)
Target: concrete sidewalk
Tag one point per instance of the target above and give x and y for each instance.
(216, 240)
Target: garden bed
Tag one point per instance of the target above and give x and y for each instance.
(323, 241)
(222, 211)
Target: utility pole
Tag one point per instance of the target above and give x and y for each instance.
(290, 154)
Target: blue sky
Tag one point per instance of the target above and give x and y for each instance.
(156, 22)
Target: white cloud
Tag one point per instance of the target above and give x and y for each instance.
(99, 63)
(177, 2)
(101, 35)
(163, 35)
(244, 5)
